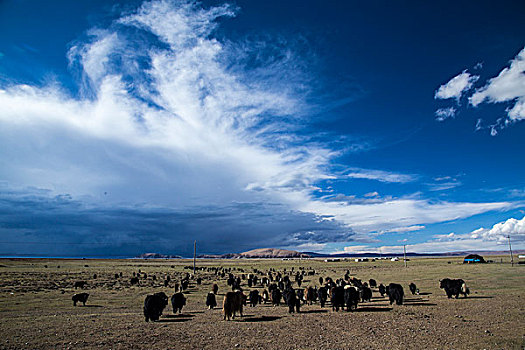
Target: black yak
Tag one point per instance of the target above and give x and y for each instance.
(154, 305)
(338, 298)
(211, 302)
(382, 290)
(372, 282)
(291, 300)
(184, 284)
(454, 287)
(322, 295)
(365, 293)
(395, 293)
(79, 284)
(276, 297)
(80, 297)
(254, 297)
(413, 288)
(178, 300)
(351, 297)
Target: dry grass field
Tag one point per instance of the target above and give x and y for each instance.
(37, 311)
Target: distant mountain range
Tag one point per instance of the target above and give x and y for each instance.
(261, 253)
(157, 256)
(273, 253)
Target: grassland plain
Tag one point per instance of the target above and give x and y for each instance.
(37, 312)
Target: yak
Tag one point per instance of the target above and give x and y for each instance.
(233, 302)
(276, 297)
(322, 295)
(177, 302)
(211, 302)
(311, 295)
(154, 305)
(395, 293)
(454, 287)
(382, 290)
(290, 297)
(365, 293)
(80, 297)
(351, 297)
(265, 296)
(80, 284)
(413, 288)
(254, 297)
(338, 298)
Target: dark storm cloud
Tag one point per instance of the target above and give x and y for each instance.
(32, 222)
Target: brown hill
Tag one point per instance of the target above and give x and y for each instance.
(157, 256)
(272, 253)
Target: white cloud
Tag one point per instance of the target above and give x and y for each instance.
(509, 85)
(499, 232)
(371, 194)
(357, 249)
(387, 215)
(406, 229)
(379, 175)
(443, 114)
(456, 86)
(494, 238)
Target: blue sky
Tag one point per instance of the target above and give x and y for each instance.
(130, 127)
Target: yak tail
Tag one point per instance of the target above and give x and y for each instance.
(464, 288)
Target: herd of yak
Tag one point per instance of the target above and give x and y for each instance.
(343, 293)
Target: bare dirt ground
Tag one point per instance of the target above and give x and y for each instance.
(37, 312)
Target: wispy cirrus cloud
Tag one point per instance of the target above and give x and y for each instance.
(378, 175)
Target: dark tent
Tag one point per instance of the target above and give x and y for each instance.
(473, 259)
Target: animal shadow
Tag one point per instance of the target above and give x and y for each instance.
(478, 297)
(262, 319)
(373, 309)
(181, 316)
(415, 300)
(420, 304)
(167, 320)
(376, 299)
(92, 306)
(314, 311)
(425, 293)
